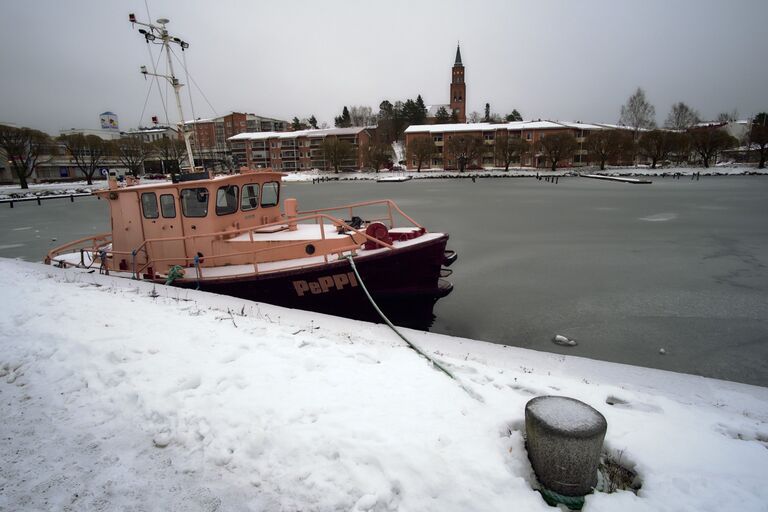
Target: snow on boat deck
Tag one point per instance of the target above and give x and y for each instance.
(302, 232)
(119, 394)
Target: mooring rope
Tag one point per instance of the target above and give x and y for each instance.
(416, 349)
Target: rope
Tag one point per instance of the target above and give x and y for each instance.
(416, 349)
(175, 272)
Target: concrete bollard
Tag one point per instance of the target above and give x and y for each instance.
(565, 438)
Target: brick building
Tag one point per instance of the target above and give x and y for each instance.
(209, 136)
(295, 151)
(531, 131)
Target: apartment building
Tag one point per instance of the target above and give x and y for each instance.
(296, 151)
(209, 136)
(531, 131)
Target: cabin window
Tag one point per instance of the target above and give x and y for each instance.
(250, 199)
(167, 206)
(149, 205)
(226, 200)
(270, 194)
(194, 202)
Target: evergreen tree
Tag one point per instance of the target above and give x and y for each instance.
(514, 116)
(344, 120)
(421, 111)
(442, 116)
(487, 118)
(296, 124)
(313, 121)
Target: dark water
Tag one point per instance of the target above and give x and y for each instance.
(624, 269)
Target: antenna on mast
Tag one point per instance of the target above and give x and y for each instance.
(158, 34)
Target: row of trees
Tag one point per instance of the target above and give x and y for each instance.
(27, 149)
(701, 144)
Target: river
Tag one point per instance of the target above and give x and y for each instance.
(672, 275)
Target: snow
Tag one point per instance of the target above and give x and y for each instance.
(565, 414)
(117, 394)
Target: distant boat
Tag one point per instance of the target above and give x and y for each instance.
(393, 179)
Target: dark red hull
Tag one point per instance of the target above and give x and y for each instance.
(404, 283)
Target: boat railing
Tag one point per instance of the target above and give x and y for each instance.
(350, 210)
(148, 247)
(93, 243)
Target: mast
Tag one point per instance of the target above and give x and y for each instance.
(160, 33)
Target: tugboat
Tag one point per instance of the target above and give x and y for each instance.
(228, 234)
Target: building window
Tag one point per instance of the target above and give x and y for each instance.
(527, 135)
(250, 199)
(168, 206)
(194, 202)
(149, 205)
(270, 194)
(226, 200)
(437, 137)
(488, 135)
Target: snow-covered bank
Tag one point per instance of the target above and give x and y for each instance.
(119, 395)
(521, 172)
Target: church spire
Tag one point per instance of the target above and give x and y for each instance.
(458, 56)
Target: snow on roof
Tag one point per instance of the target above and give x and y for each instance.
(485, 127)
(323, 132)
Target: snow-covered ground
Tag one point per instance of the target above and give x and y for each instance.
(118, 395)
(724, 170)
(74, 187)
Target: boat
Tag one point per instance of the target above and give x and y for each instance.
(233, 234)
(393, 179)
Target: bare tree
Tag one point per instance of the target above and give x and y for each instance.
(26, 149)
(681, 117)
(707, 142)
(758, 136)
(376, 154)
(510, 147)
(637, 113)
(132, 152)
(172, 152)
(655, 145)
(465, 148)
(605, 145)
(420, 150)
(557, 147)
(474, 117)
(601, 145)
(728, 117)
(89, 152)
(361, 115)
(679, 146)
(337, 152)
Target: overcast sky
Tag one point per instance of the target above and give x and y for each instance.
(64, 62)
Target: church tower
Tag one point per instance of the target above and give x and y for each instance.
(458, 89)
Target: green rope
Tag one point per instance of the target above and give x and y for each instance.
(554, 499)
(174, 273)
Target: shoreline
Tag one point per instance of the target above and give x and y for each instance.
(14, 192)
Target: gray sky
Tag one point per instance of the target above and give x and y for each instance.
(64, 62)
